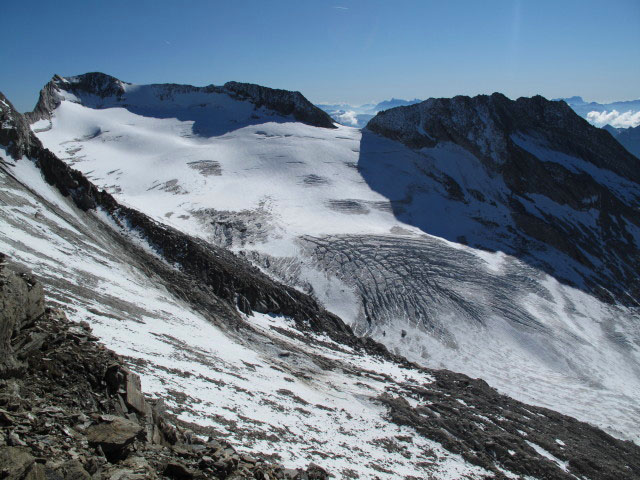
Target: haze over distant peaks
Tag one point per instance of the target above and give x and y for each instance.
(620, 114)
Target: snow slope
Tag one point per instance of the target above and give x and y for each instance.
(240, 386)
(298, 201)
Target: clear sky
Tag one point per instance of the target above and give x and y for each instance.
(343, 50)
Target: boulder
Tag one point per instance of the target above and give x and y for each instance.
(177, 471)
(114, 436)
(70, 470)
(134, 397)
(16, 463)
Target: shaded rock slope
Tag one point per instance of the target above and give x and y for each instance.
(487, 434)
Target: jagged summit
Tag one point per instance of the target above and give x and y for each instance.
(15, 133)
(100, 90)
(486, 124)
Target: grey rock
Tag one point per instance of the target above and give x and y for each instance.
(134, 397)
(15, 462)
(114, 436)
(21, 303)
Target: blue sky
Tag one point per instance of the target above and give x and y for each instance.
(353, 51)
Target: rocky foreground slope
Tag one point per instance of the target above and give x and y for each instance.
(71, 409)
(289, 379)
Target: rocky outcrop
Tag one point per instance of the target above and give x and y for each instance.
(74, 410)
(21, 304)
(283, 102)
(15, 132)
(94, 83)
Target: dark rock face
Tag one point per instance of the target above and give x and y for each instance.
(21, 304)
(15, 133)
(114, 436)
(283, 102)
(492, 129)
(17, 464)
(483, 125)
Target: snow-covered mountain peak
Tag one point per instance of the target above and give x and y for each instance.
(242, 103)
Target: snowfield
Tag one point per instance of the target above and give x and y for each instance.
(241, 387)
(315, 207)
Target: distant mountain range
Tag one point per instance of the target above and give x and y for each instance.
(622, 114)
(628, 137)
(583, 108)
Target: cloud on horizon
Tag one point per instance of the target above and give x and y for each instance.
(349, 117)
(614, 118)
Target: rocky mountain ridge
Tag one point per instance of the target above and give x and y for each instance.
(484, 124)
(106, 88)
(629, 138)
(529, 144)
